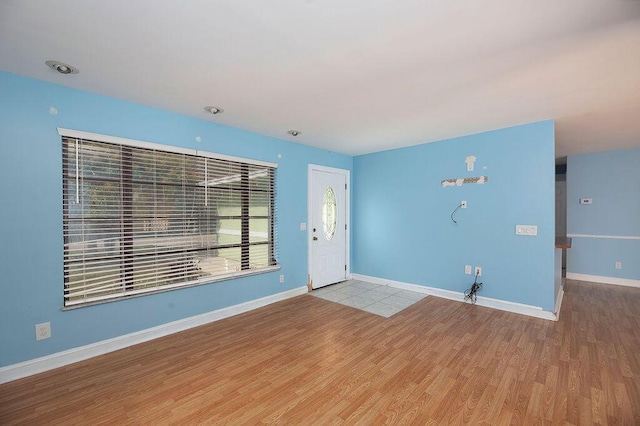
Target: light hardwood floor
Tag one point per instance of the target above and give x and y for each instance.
(311, 361)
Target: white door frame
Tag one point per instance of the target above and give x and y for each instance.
(347, 175)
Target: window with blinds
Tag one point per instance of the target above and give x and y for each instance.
(140, 217)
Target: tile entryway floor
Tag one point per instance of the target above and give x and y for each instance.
(374, 298)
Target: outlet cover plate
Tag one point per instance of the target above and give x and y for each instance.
(43, 331)
(531, 230)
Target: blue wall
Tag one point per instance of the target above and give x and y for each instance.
(31, 215)
(612, 180)
(401, 214)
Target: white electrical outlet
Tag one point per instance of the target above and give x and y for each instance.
(281, 278)
(303, 226)
(463, 204)
(467, 269)
(478, 271)
(43, 331)
(618, 265)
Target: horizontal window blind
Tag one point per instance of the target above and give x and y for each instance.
(139, 220)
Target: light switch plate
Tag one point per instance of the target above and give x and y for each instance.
(530, 230)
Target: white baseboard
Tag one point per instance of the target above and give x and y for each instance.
(60, 359)
(603, 280)
(503, 305)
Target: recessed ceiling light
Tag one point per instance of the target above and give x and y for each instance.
(62, 68)
(213, 110)
(294, 132)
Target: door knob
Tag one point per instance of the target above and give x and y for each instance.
(315, 238)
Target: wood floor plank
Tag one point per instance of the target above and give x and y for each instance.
(310, 361)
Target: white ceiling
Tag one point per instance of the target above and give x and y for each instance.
(353, 76)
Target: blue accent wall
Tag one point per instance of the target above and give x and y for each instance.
(402, 228)
(31, 281)
(612, 180)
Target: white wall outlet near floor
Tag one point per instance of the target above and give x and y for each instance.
(281, 278)
(478, 271)
(618, 265)
(467, 269)
(463, 204)
(43, 331)
(303, 226)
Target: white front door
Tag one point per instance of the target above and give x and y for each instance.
(328, 217)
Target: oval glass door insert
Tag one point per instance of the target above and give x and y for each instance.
(329, 213)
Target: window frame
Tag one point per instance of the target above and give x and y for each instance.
(127, 204)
